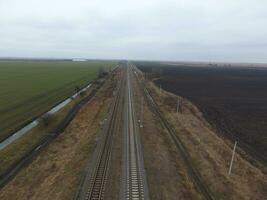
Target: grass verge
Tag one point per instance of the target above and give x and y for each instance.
(15, 151)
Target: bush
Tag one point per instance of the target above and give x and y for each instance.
(82, 94)
(46, 119)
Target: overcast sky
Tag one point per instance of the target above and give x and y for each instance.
(181, 30)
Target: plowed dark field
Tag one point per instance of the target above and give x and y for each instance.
(233, 99)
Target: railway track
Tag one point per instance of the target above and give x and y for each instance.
(94, 183)
(200, 185)
(134, 184)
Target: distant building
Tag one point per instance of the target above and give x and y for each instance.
(78, 60)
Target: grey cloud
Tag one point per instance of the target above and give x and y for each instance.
(205, 30)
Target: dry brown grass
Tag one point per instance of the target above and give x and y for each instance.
(210, 153)
(56, 171)
(165, 170)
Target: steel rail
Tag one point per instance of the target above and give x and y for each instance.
(133, 185)
(193, 172)
(94, 186)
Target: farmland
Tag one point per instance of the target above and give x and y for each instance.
(232, 99)
(29, 88)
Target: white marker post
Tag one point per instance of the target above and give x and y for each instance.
(232, 160)
(177, 106)
(142, 112)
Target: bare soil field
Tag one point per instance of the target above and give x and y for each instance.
(232, 99)
(209, 153)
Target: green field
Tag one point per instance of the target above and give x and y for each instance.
(29, 88)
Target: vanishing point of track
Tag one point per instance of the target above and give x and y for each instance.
(134, 184)
(133, 179)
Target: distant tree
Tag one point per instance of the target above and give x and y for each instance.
(77, 89)
(82, 94)
(46, 119)
(100, 72)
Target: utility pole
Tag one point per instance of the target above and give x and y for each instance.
(232, 160)
(142, 112)
(177, 106)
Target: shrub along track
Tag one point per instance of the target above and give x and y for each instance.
(195, 175)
